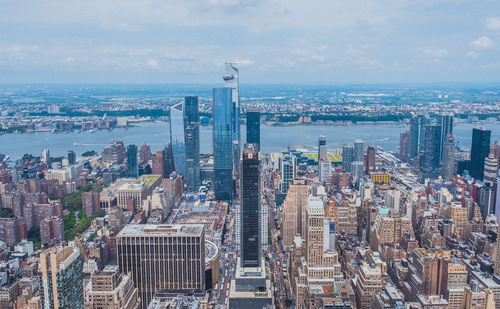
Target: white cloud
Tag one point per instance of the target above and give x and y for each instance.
(435, 53)
(153, 63)
(493, 23)
(472, 54)
(120, 26)
(70, 60)
(482, 43)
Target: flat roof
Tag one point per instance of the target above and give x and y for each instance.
(161, 230)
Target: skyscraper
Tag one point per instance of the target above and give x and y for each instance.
(479, 151)
(45, 158)
(253, 126)
(170, 257)
(71, 157)
(177, 138)
(359, 150)
(250, 207)
(293, 209)
(232, 81)
(431, 151)
(168, 155)
(322, 148)
(222, 109)
(404, 139)
(446, 128)
(490, 170)
(448, 162)
(158, 167)
(414, 137)
(192, 142)
(132, 166)
(370, 159)
(347, 157)
(61, 278)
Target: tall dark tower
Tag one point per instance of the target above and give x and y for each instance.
(132, 166)
(446, 128)
(250, 207)
(431, 151)
(192, 143)
(479, 151)
(71, 157)
(253, 126)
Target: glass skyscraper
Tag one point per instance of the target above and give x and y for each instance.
(253, 126)
(177, 138)
(431, 151)
(192, 142)
(347, 157)
(132, 166)
(250, 207)
(223, 143)
(446, 128)
(480, 150)
(232, 81)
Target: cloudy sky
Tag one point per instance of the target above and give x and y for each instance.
(275, 41)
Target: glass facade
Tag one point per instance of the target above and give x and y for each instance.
(132, 166)
(250, 207)
(481, 139)
(177, 138)
(253, 127)
(192, 140)
(431, 151)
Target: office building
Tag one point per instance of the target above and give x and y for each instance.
(158, 162)
(404, 139)
(168, 165)
(359, 150)
(222, 110)
(347, 157)
(448, 161)
(322, 149)
(370, 160)
(479, 151)
(114, 153)
(177, 137)
(71, 157)
(446, 128)
(192, 142)
(431, 151)
(287, 169)
(253, 126)
(415, 136)
(293, 211)
(250, 207)
(60, 275)
(132, 165)
(392, 200)
(490, 170)
(110, 289)
(232, 81)
(162, 257)
(367, 285)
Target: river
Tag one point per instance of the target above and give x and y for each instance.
(273, 139)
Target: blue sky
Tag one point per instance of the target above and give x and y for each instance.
(275, 41)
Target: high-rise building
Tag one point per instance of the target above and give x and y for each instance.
(61, 278)
(250, 207)
(370, 159)
(114, 153)
(490, 170)
(132, 166)
(347, 157)
(232, 81)
(45, 158)
(158, 167)
(71, 157)
(479, 151)
(162, 257)
(293, 211)
(110, 289)
(144, 154)
(367, 285)
(448, 161)
(192, 142)
(431, 151)
(90, 203)
(177, 137)
(497, 200)
(168, 165)
(222, 142)
(322, 148)
(359, 150)
(415, 138)
(51, 230)
(287, 169)
(446, 128)
(404, 139)
(253, 126)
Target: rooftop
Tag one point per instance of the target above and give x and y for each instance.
(161, 230)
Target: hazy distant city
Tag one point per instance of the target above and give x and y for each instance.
(249, 154)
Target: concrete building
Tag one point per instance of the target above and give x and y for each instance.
(294, 211)
(110, 289)
(173, 267)
(60, 275)
(368, 284)
(52, 230)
